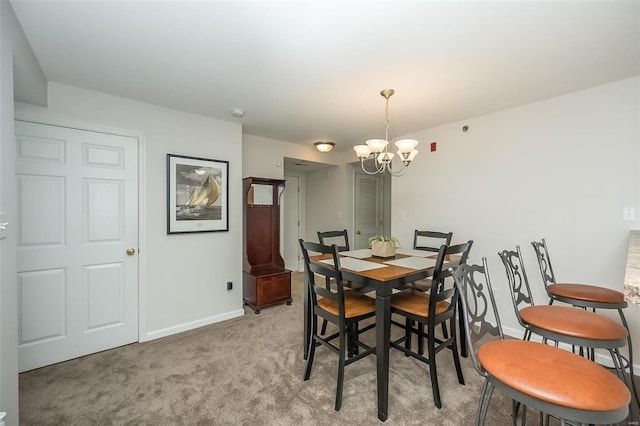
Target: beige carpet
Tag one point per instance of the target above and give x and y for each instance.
(245, 371)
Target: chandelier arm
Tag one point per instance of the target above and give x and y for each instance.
(376, 172)
(400, 172)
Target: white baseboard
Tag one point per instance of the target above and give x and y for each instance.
(157, 334)
(602, 358)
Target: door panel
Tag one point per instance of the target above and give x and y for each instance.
(368, 209)
(78, 213)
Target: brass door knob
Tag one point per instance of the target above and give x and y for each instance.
(131, 251)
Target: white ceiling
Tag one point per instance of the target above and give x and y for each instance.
(308, 71)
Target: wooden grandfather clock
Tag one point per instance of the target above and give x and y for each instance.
(265, 281)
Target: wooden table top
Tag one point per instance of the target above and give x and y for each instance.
(389, 273)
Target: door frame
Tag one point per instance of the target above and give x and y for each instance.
(300, 178)
(142, 197)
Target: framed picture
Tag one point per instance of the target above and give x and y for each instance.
(197, 194)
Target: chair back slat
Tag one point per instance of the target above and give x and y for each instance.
(544, 262)
(478, 307)
(440, 291)
(339, 238)
(518, 283)
(431, 240)
(323, 279)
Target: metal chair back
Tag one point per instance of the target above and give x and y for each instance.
(479, 309)
(518, 283)
(544, 262)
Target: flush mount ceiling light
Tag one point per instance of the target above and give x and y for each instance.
(324, 146)
(237, 112)
(378, 149)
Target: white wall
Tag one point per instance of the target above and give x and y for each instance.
(16, 60)
(562, 169)
(185, 274)
(329, 201)
(323, 190)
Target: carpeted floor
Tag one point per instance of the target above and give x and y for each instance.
(245, 371)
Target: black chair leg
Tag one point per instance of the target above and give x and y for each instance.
(456, 355)
(407, 335)
(324, 327)
(421, 338)
(433, 372)
(341, 363)
(312, 347)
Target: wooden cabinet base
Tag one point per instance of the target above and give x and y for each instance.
(268, 288)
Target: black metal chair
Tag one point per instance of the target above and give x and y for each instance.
(332, 303)
(547, 378)
(431, 310)
(583, 296)
(576, 327)
(339, 238)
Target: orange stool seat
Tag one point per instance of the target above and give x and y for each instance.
(585, 292)
(553, 375)
(573, 322)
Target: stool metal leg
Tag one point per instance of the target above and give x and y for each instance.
(630, 360)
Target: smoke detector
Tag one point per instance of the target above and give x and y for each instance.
(237, 112)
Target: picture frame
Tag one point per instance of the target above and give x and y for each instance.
(197, 194)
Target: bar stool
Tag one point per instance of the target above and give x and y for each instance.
(561, 323)
(584, 296)
(549, 379)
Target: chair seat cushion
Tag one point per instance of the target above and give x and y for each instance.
(554, 375)
(573, 322)
(585, 292)
(416, 302)
(355, 305)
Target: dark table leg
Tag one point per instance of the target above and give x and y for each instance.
(383, 332)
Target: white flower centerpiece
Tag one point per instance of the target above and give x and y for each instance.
(382, 246)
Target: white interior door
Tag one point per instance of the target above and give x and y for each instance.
(78, 215)
(292, 223)
(368, 208)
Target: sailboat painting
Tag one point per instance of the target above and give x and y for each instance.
(197, 194)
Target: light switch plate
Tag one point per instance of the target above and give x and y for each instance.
(629, 214)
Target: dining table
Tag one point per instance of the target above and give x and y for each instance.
(381, 275)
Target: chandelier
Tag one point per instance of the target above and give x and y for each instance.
(378, 148)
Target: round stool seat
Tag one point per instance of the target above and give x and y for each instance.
(554, 375)
(585, 292)
(574, 322)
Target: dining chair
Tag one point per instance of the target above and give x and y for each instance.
(584, 296)
(428, 241)
(331, 302)
(549, 379)
(339, 238)
(431, 310)
(425, 283)
(565, 324)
